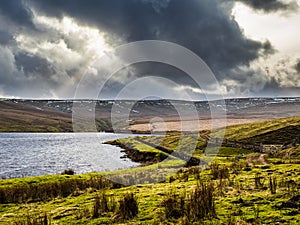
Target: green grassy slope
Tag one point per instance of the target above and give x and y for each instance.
(272, 131)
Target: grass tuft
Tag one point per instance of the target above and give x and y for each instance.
(128, 208)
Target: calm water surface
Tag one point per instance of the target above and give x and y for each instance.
(31, 154)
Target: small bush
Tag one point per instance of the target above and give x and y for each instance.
(103, 204)
(201, 203)
(128, 208)
(174, 206)
(68, 172)
(219, 171)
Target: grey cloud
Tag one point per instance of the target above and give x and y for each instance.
(271, 5)
(285, 73)
(5, 38)
(158, 5)
(32, 64)
(20, 78)
(297, 66)
(17, 11)
(273, 89)
(6, 64)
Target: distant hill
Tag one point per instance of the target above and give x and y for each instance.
(17, 115)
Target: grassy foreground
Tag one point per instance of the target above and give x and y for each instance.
(241, 195)
(261, 194)
(238, 187)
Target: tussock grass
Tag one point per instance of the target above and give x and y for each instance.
(128, 208)
(47, 191)
(219, 171)
(196, 206)
(103, 204)
(34, 220)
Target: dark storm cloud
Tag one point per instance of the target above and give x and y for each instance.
(202, 26)
(271, 5)
(17, 11)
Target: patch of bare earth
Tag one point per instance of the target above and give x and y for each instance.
(257, 159)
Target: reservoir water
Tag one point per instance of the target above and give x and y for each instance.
(32, 154)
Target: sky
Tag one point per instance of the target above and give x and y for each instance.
(251, 46)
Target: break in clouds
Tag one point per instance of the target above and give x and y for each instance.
(46, 46)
